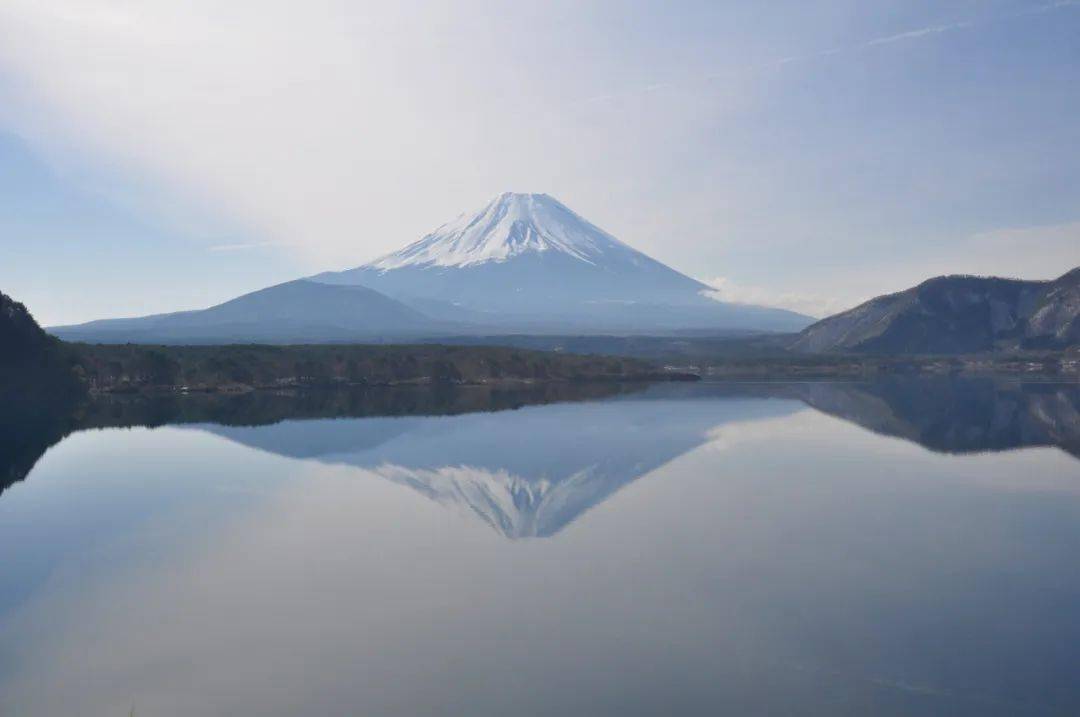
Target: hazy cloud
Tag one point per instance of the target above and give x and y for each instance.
(724, 289)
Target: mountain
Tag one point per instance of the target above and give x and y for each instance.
(522, 264)
(527, 262)
(955, 314)
(294, 312)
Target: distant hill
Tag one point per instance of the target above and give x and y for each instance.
(954, 315)
(294, 312)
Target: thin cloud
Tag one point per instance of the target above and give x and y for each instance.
(915, 34)
(921, 32)
(726, 290)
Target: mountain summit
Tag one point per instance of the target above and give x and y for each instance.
(526, 262)
(509, 226)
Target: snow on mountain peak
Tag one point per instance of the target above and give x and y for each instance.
(507, 226)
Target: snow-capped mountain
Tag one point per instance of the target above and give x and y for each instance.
(526, 261)
(523, 264)
(509, 226)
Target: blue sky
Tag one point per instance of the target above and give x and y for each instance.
(157, 156)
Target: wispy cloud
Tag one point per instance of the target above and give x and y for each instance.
(915, 34)
(869, 44)
(949, 27)
(927, 31)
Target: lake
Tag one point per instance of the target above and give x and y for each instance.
(898, 547)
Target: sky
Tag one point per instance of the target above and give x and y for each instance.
(158, 156)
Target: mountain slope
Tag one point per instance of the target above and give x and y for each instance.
(31, 361)
(21, 338)
(1056, 319)
(527, 261)
(955, 314)
(294, 312)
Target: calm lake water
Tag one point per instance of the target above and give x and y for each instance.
(904, 547)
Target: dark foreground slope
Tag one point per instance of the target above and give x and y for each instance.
(39, 387)
(32, 363)
(955, 315)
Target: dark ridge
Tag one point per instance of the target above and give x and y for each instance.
(955, 315)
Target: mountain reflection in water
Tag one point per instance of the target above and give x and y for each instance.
(770, 548)
(533, 472)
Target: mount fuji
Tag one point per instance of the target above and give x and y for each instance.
(523, 264)
(527, 262)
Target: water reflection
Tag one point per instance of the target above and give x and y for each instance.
(535, 474)
(529, 475)
(957, 415)
(708, 549)
(27, 430)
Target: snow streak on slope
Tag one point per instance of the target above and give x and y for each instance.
(508, 226)
(525, 473)
(515, 506)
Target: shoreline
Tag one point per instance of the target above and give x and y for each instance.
(427, 382)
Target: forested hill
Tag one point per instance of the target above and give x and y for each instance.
(21, 339)
(956, 315)
(31, 361)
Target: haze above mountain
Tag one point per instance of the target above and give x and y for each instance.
(523, 263)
